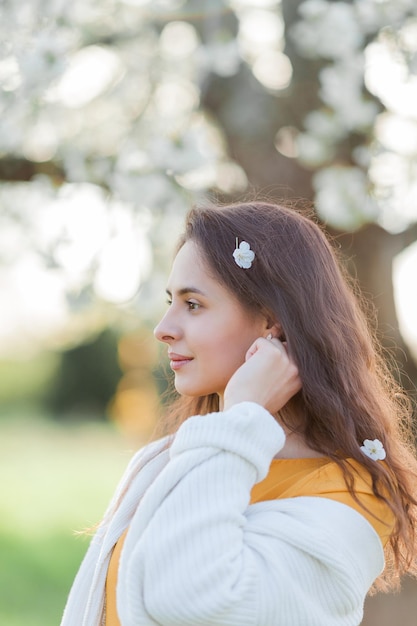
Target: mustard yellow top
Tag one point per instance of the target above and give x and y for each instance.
(289, 478)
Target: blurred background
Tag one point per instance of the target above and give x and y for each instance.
(117, 116)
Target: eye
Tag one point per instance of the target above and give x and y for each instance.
(168, 301)
(192, 306)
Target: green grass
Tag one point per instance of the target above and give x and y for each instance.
(34, 577)
(26, 379)
(55, 480)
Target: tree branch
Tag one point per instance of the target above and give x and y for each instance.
(22, 170)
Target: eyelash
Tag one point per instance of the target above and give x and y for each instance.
(192, 306)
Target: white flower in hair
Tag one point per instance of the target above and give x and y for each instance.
(243, 255)
(374, 449)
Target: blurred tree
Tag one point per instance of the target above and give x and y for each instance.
(349, 57)
(117, 114)
(329, 121)
(86, 378)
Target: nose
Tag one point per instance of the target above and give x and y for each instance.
(167, 331)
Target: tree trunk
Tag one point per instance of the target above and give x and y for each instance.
(370, 253)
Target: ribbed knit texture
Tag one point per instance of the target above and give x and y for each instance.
(196, 553)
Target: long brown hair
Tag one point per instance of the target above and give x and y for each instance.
(348, 394)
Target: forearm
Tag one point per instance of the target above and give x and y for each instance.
(191, 558)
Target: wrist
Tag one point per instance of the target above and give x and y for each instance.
(231, 400)
(246, 429)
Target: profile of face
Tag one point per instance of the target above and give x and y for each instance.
(206, 329)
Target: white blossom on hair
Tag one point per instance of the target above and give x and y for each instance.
(374, 449)
(243, 255)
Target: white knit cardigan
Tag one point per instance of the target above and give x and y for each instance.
(196, 552)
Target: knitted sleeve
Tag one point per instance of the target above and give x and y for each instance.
(198, 555)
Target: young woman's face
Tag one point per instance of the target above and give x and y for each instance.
(206, 329)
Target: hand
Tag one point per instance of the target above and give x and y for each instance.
(269, 377)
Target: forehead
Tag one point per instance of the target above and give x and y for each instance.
(189, 268)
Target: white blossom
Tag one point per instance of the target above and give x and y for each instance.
(222, 58)
(394, 180)
(312, 150)
(243, 255)
(397, 133)
(325, 124)
(341, 87)
(374, 449)
(327, 29)
(44, 58)
(389, 77)
(342, 197)
(375, 14)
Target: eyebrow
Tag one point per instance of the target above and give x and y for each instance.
(185, 290)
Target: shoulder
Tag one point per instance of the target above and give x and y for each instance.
(329, 531)
(331, 483)
(326, 479)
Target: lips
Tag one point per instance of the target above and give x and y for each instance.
(177, 361)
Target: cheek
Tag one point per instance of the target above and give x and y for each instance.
(226, 341)
(244, 334)
(220, 352)
(235, 345)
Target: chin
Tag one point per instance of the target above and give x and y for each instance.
(194, 391)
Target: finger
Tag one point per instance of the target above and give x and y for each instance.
(252, 350)
(257, 344)
(278, 344)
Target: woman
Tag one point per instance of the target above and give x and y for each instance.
(287, 473)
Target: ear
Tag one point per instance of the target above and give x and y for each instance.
(275, 329)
